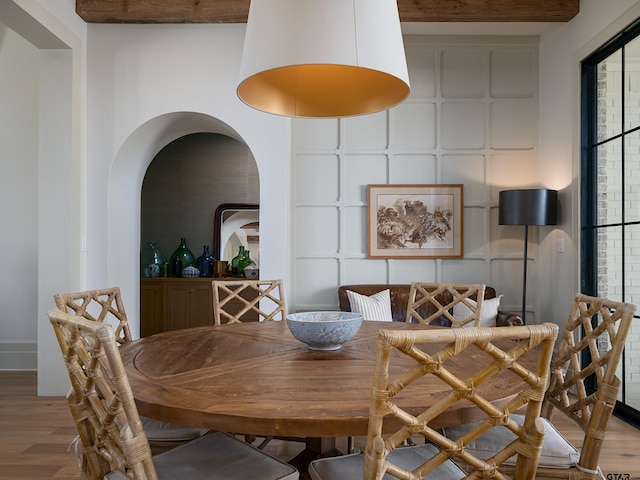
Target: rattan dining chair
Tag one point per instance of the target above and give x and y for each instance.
(103, 305)
(590, 349)
(433, 303)
(434, 352)
(106, 306)
(234, 299)
(113, 438)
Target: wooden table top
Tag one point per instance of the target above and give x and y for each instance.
(256, 378)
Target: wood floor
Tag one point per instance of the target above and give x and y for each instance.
(35, 433)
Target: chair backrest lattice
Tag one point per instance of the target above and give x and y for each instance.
(432, 303)
(104, 306)
(101, 401)
(597, 328)
(433, 353)
(233, 300)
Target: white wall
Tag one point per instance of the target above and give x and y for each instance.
(50, 146)
(561, 50)
(19, 67)
(148, 86)
(471, 119)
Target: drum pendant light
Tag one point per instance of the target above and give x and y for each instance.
(323, 58)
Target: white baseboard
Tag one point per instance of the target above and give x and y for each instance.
(18, 356)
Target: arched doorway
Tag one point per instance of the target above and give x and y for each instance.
(125, 185)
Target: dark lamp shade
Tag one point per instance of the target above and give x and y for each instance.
(528, 207)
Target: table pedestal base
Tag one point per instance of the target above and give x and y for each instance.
(316, 447)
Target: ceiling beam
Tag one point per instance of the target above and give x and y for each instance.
(236, 11)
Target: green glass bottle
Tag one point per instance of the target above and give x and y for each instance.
(181, 259)
(151, 261)
(236, 263)
(246, 261)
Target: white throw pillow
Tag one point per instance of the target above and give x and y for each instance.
(488, 314)
(377, 307)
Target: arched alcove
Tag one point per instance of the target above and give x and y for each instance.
(125, 185)
(185, 184)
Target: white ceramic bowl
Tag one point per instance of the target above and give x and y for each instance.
(324, 330)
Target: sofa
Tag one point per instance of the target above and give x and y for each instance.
(399, 295)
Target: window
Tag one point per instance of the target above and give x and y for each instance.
(610, 187)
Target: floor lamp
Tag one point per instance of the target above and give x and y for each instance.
(527, 207)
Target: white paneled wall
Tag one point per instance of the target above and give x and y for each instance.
(471, 118)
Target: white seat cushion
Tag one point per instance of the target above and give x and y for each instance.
(377, 307)
(351, 467)
(220, 456)
(169, 432)
(557, 452)
(157, 432)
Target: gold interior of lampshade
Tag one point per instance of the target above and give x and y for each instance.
(321, 91)
(323, 58)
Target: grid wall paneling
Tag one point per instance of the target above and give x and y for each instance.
(471, 118)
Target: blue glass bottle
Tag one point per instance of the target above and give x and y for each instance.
(205, 262)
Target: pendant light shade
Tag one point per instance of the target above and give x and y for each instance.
(323, 58)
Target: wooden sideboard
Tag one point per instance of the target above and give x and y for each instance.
(176, 303)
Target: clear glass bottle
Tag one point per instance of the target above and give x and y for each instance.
(151, 261)
(181, 258)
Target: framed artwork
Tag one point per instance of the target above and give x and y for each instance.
(415, 221)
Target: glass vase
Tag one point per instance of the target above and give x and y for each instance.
(245, 261)
(181, 259)
(151, 261)
(205, 262)
(236, 271)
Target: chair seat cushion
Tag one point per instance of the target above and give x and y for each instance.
(351, 467)
(557, 452)
(220, 456)
(157, 430)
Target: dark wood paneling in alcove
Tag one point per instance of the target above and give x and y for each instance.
(186, 182)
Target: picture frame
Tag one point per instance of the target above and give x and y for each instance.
(415, 221)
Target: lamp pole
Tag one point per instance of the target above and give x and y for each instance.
(524, 274)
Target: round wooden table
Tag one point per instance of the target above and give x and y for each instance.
(256, 378)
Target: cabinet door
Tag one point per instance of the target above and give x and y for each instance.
(177, 310)
(150, 308)
(188, 305)
(200, 305)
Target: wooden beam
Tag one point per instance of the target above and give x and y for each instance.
(488, 10)
(163, 11)
(236, 11)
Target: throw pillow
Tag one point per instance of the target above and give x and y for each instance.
(377, 307)
(488, 314)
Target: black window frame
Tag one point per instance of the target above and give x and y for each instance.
(589, 188)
